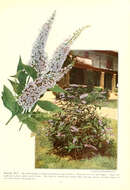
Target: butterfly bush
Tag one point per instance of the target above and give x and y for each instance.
(35, 89)
(80, 132)
(39, 58)
(48, 71)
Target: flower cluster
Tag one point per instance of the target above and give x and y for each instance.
(79, 131)
(62, 51)
(80, 93)
(49, 72)
(59, 57)
(39, 58)
(33, 90)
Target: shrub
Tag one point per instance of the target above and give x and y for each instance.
(81, 94)
(78, 131)
(90, 85)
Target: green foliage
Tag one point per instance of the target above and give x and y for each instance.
(10, 102)
(57, 89)
(48, 106)
(29, 121)
(81, 94)
(20, 65)
(22, 76)
(44, 158)
(16, 87)
(40, 116)
(90, 85)
(78, 131)
(32, 119)
(29, 70)
(55, 162)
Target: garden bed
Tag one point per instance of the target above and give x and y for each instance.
(78, 133)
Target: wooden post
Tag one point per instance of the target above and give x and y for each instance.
(113, 82)
(67, 82)
(102, 79)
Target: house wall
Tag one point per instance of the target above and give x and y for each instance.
(102, 60)
(99, 77)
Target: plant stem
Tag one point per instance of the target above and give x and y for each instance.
(21, 126)
(9, 120)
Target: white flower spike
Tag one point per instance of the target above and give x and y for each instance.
(62, 51)
(49, 72)
(39, 58)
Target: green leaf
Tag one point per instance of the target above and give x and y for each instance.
(10, 102)
(17, 87)
(22, 76)
(31, 123)
(48, 106)
(31, 71)
(40, 116)
(20, 65)
(57, 89)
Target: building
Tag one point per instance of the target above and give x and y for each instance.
(99, 66)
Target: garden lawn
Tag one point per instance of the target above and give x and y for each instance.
(110, 104)
(46, 159)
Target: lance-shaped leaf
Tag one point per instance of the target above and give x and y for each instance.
(39, 59)
(30, 71)
(10, 102)
(20, 65)
(48, 106)
(26, 71)
(58, 89)
(16, 87)
(22, 76)
(62, 51)
(31, 122)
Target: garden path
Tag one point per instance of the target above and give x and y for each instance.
(111, 113)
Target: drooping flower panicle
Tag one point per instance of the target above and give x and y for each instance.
(39, 58)
(59, 57)
(62, 51)
(49, 72)
(35, 89)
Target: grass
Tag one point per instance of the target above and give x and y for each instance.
(45, 159)
(55, 162)
(110, 104)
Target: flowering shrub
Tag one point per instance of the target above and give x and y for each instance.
(79, 132)
(80, 93)
(33, 80)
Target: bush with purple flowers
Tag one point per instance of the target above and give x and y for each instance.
(78, 131)
(81, 94)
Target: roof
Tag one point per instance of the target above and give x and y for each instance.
(108, 52)
(82, 65)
